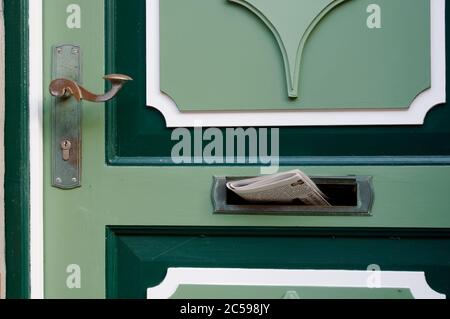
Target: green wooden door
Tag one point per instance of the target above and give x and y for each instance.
(217, 58)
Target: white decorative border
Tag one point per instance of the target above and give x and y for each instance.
(36, 150)
(414, 281)
(414, 115)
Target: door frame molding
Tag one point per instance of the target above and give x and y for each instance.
(36, 129)
(16, 149)
(24, 149)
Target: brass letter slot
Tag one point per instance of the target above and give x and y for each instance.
(349, 196)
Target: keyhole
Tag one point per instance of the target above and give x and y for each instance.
(66, 145)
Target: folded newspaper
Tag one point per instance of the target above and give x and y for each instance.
(287, 187)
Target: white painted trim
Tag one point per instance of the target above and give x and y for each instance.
(415, 281)
(36, 150)
(414, 115)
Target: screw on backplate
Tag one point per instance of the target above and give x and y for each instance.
(75, 50)
(74, 180)
(58, 180)
(59, 50)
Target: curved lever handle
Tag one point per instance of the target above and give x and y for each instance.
(65, 88)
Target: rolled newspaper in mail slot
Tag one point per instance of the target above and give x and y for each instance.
(288, 187)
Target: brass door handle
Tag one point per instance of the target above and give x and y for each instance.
(66, 88)
(66, 113)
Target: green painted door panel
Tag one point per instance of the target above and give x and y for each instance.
(137, 135)
(138, 257)
(138, 194)
(246, 292)
(331, 58)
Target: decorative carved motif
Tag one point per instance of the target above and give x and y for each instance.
(291, 22)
